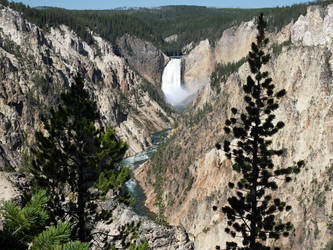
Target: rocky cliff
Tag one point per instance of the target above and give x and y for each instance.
(198, 65)
(158, 237)
(201, 61)
(144, 57)
(196, 174)
(37, 65)
(233, 46)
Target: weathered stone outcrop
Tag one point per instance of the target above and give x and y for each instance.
(233, 46)
(158, 237)
(316, 28)
(198, 65)
(144, 57)
(197, 174)
(201, 61)
(8, 191)
(172, 38)
(36, 66)
(235, 43)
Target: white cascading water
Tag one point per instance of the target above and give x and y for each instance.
(175, 94)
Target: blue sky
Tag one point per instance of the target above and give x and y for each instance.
(111, 4)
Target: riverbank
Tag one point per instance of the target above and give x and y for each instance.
(135, 162)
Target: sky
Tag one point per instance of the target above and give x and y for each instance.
(112, 4)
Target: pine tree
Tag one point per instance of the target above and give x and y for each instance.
(28, 225)
(252, 210)
(158, 171)
(72, 154)
(57, 238)
(21, 225)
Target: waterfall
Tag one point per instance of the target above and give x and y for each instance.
(175, 94)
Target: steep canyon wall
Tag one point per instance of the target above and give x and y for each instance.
(196, 174)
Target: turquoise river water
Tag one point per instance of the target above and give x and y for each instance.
(134, 162)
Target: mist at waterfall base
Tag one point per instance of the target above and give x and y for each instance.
(174, 92)
(134, 162)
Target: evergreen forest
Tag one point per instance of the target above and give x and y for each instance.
(190, 23)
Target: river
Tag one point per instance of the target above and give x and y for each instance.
(135, 161)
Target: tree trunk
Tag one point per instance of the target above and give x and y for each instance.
(255, 171)
(81, 205)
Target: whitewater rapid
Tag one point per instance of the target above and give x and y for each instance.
(175, 94)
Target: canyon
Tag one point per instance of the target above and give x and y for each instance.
(37, 65)
(196, 174)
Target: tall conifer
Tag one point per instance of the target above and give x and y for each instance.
(252, 210)
(72, 154)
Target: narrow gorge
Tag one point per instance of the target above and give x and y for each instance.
(196, 174)
(165, 79)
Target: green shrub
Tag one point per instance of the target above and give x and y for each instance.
(222, 72)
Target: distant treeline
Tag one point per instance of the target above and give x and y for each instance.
(191, 23)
